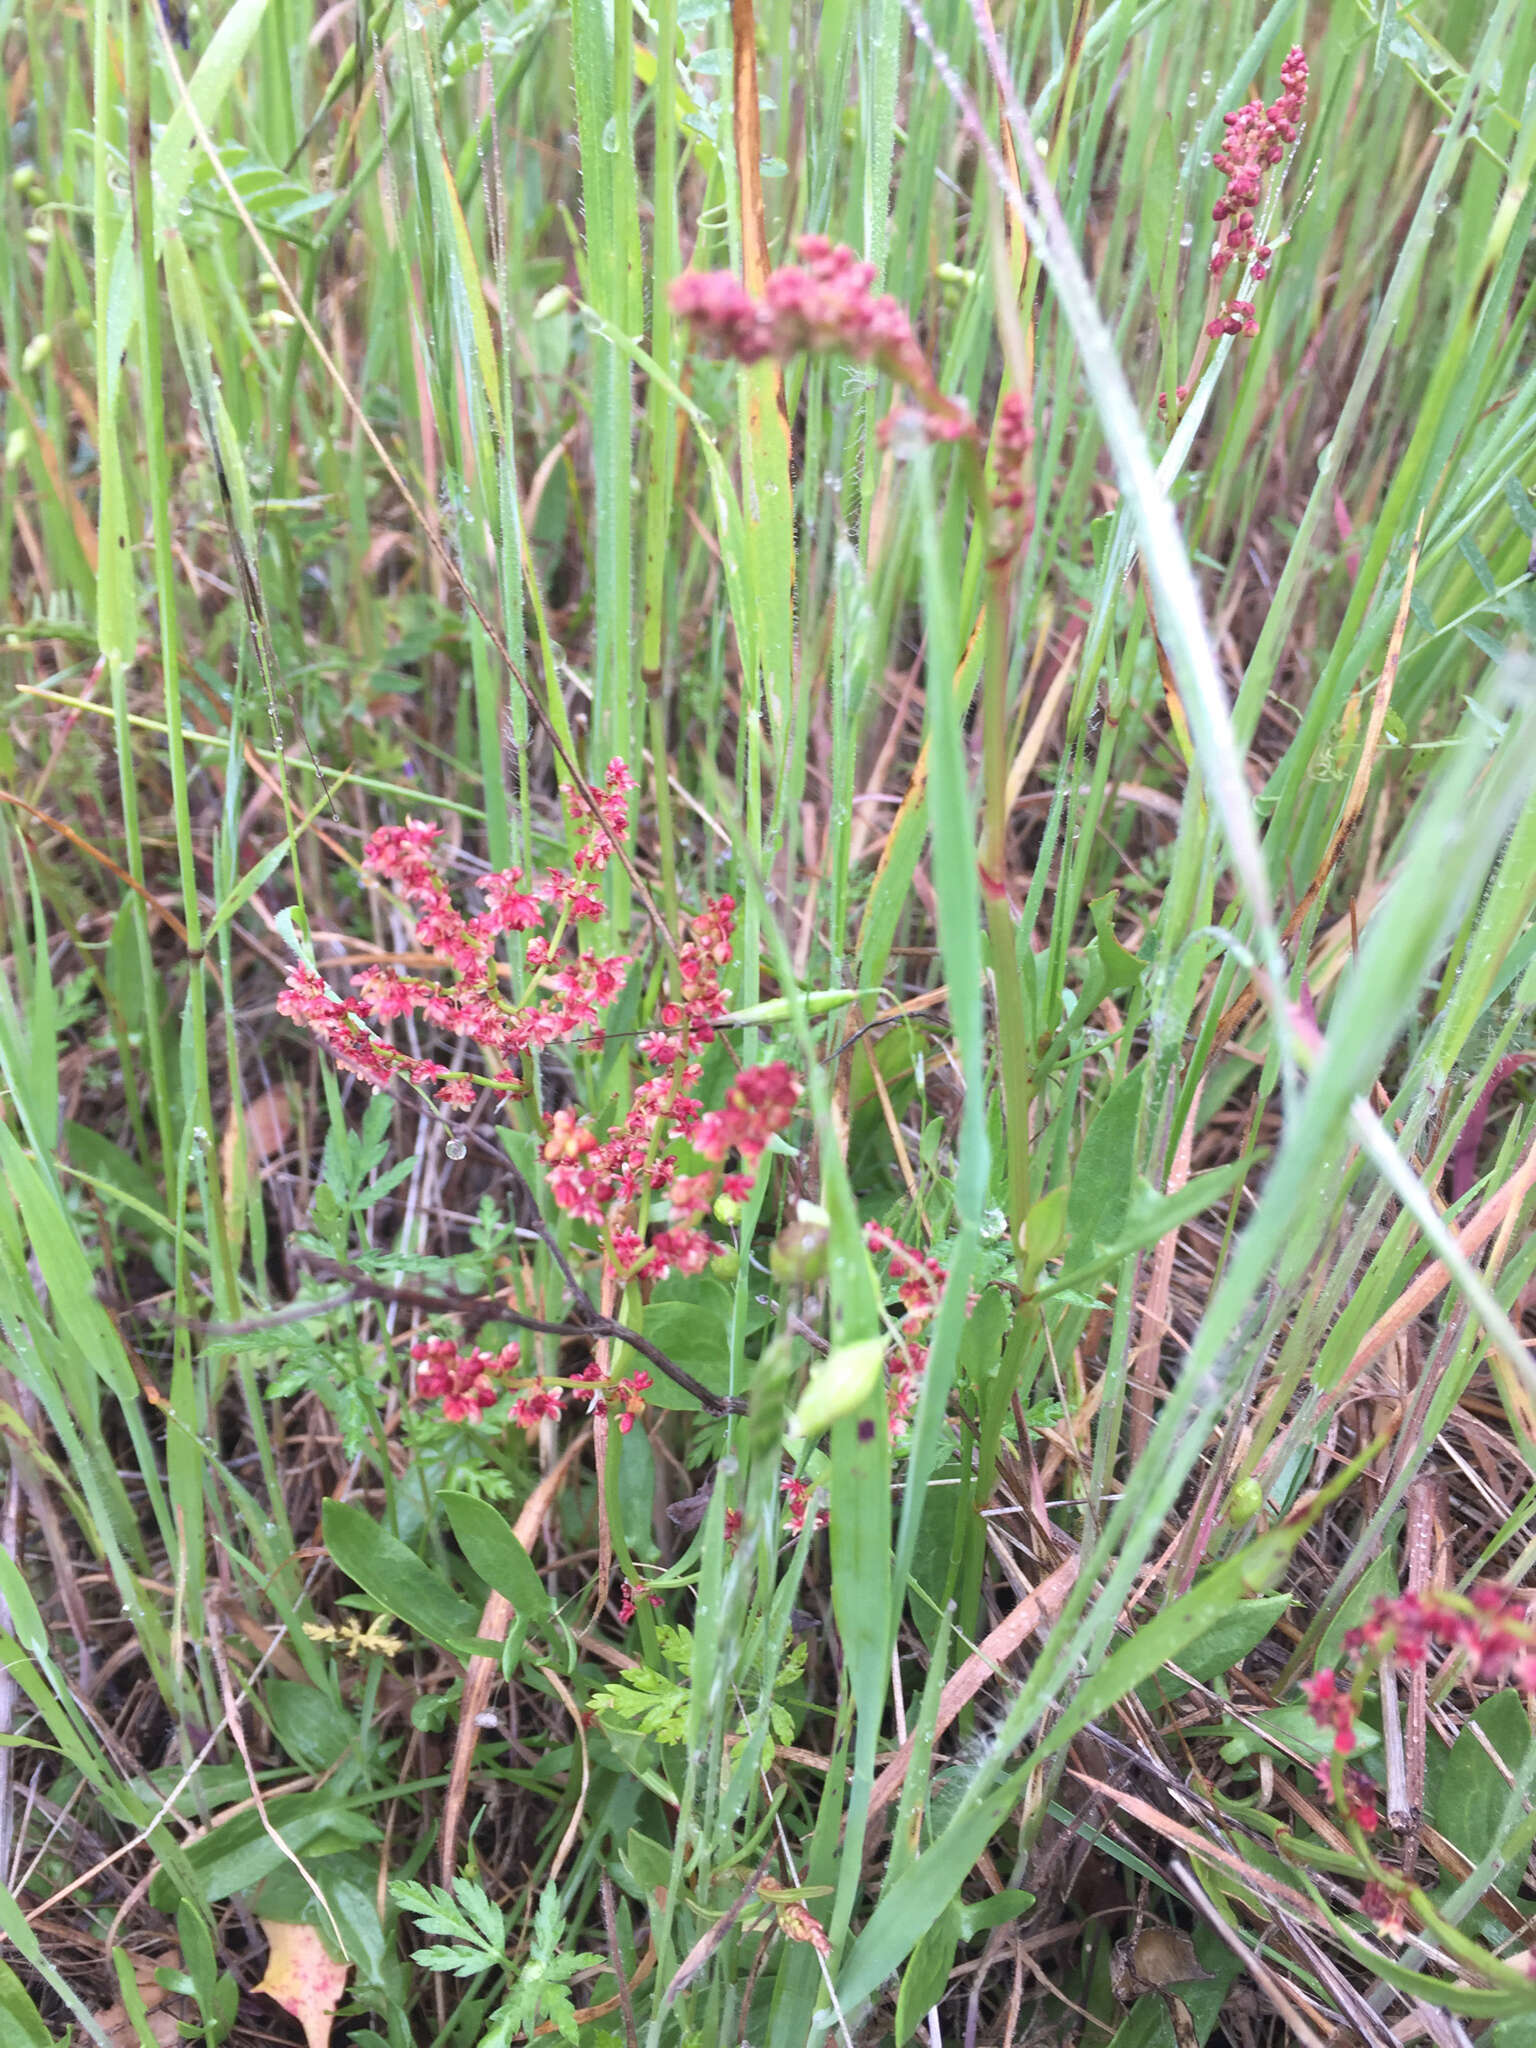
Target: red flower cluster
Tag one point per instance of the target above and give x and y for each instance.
(1013, 436)
(689, 1023)
(624, 1398)
(1492, 1627)
(799, 1494)
(1386, 1904)
(602, 1181)
(579, 986)
(759, 1103)
(633, 1594)
(464, 1381)
(823, 304)
(1332, 1706)
(607, 1182)
(1257, 138)
(1360, 1799)
(919, 1282)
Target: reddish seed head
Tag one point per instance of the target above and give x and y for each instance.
(1386, 1906)
(1257, 138)
(824, 304)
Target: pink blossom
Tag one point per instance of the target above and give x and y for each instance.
(679, 1250)
(1332, 1707)
(534, 1405)
(403, 855)
(903, 1383)
(462, 1381)
(1386, 1905)
(633, 1594)
(1360, 1800)
(919, 1278)
(798, 1495)
(759, 1102)
(507, 907)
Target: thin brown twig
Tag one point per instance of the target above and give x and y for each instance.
(475, 1309)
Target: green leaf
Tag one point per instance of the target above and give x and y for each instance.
(1045, 1226)
(1158, 225)
(176, 150)
(1473, 1789)
(255, 876)
(314, 1729)
(695, 1336)
(1122, 969)
(924, 1979)
(647, 1862)
(237, 1854)
(24, 2025)
(1379, 1580)
(395, 1578)
(1105, 1173)
(1149, 1217)
(840, 1384)
(483, 1534)
(115, 1174)
(1228, 1642)
(986, 1914)
(636, 1492)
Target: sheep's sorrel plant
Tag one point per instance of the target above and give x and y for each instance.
(626, 1185)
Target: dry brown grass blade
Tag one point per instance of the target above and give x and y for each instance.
(480, 1675)
(1041, 725)
(1038, 1608)
(81, 522)
(94, 853)
(917, 787)
(747, 126)
(1126, 1806)
(1154, 1309)
(584, 2013)
(1241, 1007)
(1273, 1986)
(1433, 1279)
(716, 1932)
(573, 1826)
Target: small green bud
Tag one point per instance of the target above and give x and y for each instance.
(24, 177)
(554, 301)
(727, 1210)
(37, 351)
(726, 1263)
(39, 234)
(15, 447)
(1244, 1502)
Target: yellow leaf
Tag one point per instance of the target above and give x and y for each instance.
(302, 1978)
